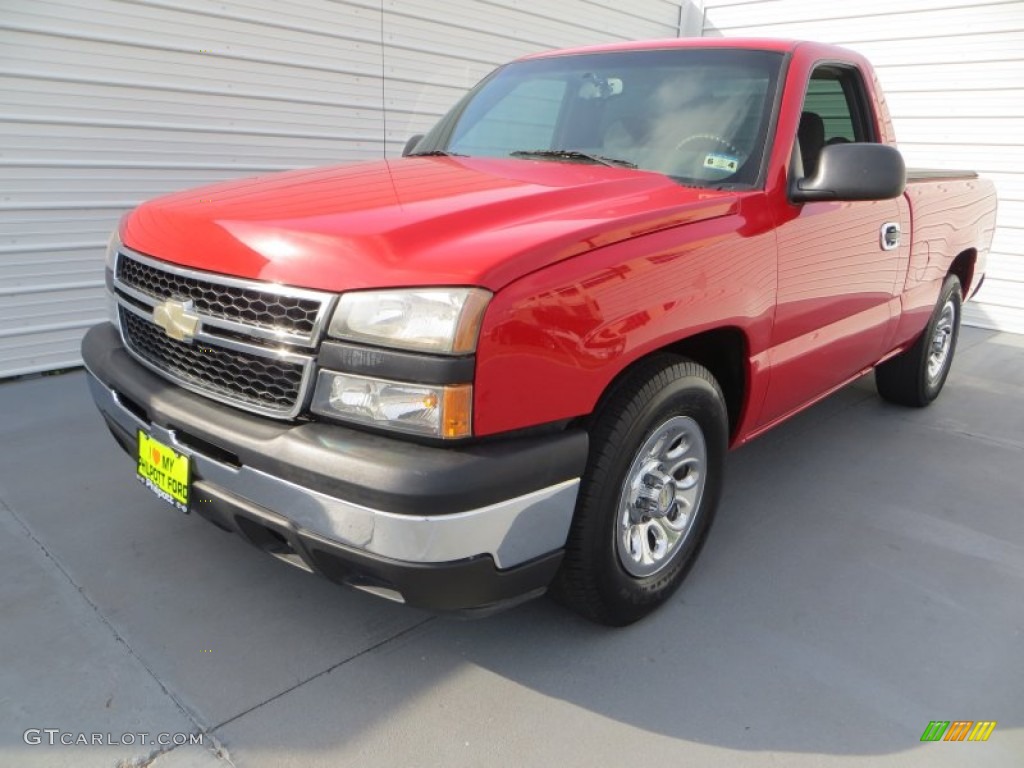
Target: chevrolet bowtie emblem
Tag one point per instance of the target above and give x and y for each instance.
(177, 319)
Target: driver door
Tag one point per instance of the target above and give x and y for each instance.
(837, 279)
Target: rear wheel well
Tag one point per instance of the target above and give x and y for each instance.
(723, 352)
(963, 267)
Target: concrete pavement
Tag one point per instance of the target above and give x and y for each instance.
(865, 576)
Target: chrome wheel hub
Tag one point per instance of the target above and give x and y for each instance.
(942, 342)
(660, 496)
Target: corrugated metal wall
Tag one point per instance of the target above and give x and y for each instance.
(953, 74)
(105, 103)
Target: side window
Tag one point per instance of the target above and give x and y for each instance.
(525, 118)
(835, 111)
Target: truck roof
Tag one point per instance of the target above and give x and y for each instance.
(746, 43)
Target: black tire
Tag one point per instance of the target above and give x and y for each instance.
(663, 393)
(913, 377)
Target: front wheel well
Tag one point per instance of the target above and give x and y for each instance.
(723, 351)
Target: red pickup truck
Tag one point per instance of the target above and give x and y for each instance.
(513, 359)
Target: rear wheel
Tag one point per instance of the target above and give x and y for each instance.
(916, 376)
(649, 492)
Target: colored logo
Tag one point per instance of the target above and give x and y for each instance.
(177, 319)
(958, 730)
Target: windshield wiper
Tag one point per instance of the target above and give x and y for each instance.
(572, 154)
(436, 153)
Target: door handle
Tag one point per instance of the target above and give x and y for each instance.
(890, 236)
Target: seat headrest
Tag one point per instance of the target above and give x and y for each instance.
(811, 136)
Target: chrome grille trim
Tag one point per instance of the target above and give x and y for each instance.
(275, 345)
(266, 330)
(304, 363)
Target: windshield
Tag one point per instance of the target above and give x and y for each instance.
(700, 116)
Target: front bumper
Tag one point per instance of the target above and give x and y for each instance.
(444, 528)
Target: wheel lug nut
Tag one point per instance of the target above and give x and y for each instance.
(653, 481)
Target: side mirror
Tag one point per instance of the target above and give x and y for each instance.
(853, 172)
(410, 145)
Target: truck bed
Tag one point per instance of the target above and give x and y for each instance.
(937, 174)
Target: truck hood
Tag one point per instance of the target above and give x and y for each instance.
(413, 221)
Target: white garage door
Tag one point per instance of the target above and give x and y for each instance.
(953, 73)
(104, 104)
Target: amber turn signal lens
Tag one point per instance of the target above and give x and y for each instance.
(457, 414)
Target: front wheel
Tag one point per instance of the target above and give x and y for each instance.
(916, 376)
(649, 492)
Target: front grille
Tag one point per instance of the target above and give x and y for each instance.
(253, 345)
(252, 306)
(236, 376)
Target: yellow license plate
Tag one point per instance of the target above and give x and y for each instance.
(164, 471)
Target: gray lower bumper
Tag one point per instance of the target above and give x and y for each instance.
(511, 532)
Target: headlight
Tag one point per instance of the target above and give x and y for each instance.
(440, 320)
(435, 411)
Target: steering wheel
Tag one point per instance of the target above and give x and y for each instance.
(728, 145)
(710, 137)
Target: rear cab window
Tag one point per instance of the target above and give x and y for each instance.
(835, 111)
